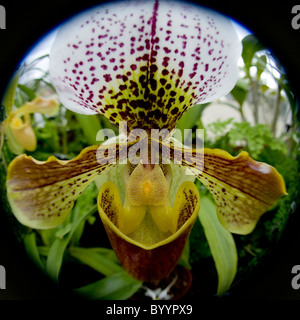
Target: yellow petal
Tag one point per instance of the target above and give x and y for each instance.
(243, 189)
(186, 201)
(127, 219)
(42, 193)
(23, 132)
(131, 218)
(165, 218)
(49, 107)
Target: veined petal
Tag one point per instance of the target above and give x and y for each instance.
(144, 62)
(42, 193)
(243, 188)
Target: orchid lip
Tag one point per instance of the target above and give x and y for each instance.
(152, 249)
(142, 245)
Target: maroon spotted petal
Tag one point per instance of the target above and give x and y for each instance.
(144, 62)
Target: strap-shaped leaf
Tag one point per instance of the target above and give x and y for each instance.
(221, 244)
(243, 188)
(100, 259)
(119, 286)
(144, 62)
(42, 193)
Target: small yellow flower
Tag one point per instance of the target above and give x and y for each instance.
(18, 126)
(23, 132)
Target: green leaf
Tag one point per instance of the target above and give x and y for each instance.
(32, 249)
(250, 46)
(240, 91)
(55, 258)
(28, 91)
(57, 250)
(189, 119)
(185, 257)
(264, 88)
(294, 104)
(63, 231)
(221, 244)
(43, 250)
(97, 259)
(90, 125)
(119, 286)
(9, 96)
(261, 64)
(83, 203)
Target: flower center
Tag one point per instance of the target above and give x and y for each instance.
(146, 186)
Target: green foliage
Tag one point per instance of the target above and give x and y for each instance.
(90, 126)
(289, 168)
(251, 45)
(32, 249)
(221, 244)
(190, 120)
(199, 248)
(185, 257)
(255, 139)
(240, 91)
(118, 286)
(219, 128)
(255, 87)
(102, 260)
(9, 96)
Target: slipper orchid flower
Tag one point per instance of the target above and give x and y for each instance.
(142, 65)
